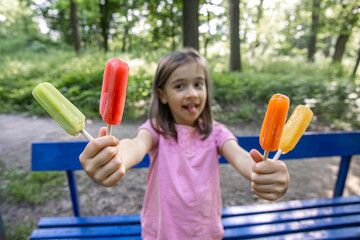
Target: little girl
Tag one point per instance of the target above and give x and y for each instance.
(182, 199)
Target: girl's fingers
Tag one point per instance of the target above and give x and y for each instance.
(280, 180)
(100, 161)
(270, 179)
(105, 156)
(96, 145)
(256, 155)
(266, 196)
(107, 169)
(262, 178)
(267, 188)
(269, 167)
(102, 132)
(115, 177)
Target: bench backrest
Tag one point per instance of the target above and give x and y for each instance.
(64, 156)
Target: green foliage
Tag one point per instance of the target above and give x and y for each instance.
(240, 96)
(33, 188)
(19, 231)
(79, 78)
(322, 87)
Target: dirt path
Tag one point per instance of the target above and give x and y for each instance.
(310, 178)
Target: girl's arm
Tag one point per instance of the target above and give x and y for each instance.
(106, 159)
(132, 151)
(269, 179)
(238, 157)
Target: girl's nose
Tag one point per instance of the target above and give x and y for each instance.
(191, 92)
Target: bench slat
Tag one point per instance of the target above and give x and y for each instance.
(312, 145)
(56, 156)
(102, 238)
(89, 221)
(284, 206)
(290, 216)
(230, 233)
(338, 233)
(230, 222)
(292, 227)
(227, 212)
(80, 232)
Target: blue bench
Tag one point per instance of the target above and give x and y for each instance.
(328, 218)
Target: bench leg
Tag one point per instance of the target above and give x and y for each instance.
(73, 192)
(342, 174)
(2, 229)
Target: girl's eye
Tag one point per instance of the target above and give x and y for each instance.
(199, 84)
(179, 86)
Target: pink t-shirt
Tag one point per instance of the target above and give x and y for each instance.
(182, 198)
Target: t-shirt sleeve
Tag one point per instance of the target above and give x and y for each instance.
(147, 125)
(223, 135)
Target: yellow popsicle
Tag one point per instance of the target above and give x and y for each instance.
(294, 129)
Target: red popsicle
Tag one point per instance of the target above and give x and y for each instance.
(113, 92)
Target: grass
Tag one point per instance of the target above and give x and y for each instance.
(21, 187)
(19, 231)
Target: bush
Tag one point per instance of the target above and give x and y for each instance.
(239, 96)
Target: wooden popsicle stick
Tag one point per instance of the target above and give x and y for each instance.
(277, 155)
(86, 135)
(108, 130)
(266, 155)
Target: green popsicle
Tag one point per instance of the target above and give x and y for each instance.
(60, 109)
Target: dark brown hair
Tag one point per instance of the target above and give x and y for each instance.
(160, 115)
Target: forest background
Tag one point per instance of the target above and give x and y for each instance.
(306, 49)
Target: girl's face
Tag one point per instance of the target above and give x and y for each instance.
(185, 93)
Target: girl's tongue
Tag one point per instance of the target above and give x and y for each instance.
(191, 109)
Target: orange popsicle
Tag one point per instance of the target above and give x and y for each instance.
(274, 122)
(294, 129)
(113, 92)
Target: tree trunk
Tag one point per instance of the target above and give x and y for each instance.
(207, 38)
(126, 33)
(26, 18)
(191, 23)
(314, 29)
(235, 59)
(351, 18)
(98, 41)
(173, 35)
(104, 22)
(356, 65)
(75, 26)
(259, 15)
(328, 45)
(260, 11)
(340, 47)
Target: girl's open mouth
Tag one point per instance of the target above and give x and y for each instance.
(191, 108)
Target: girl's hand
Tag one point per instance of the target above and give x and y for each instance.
(101, 161)
(270, 179)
